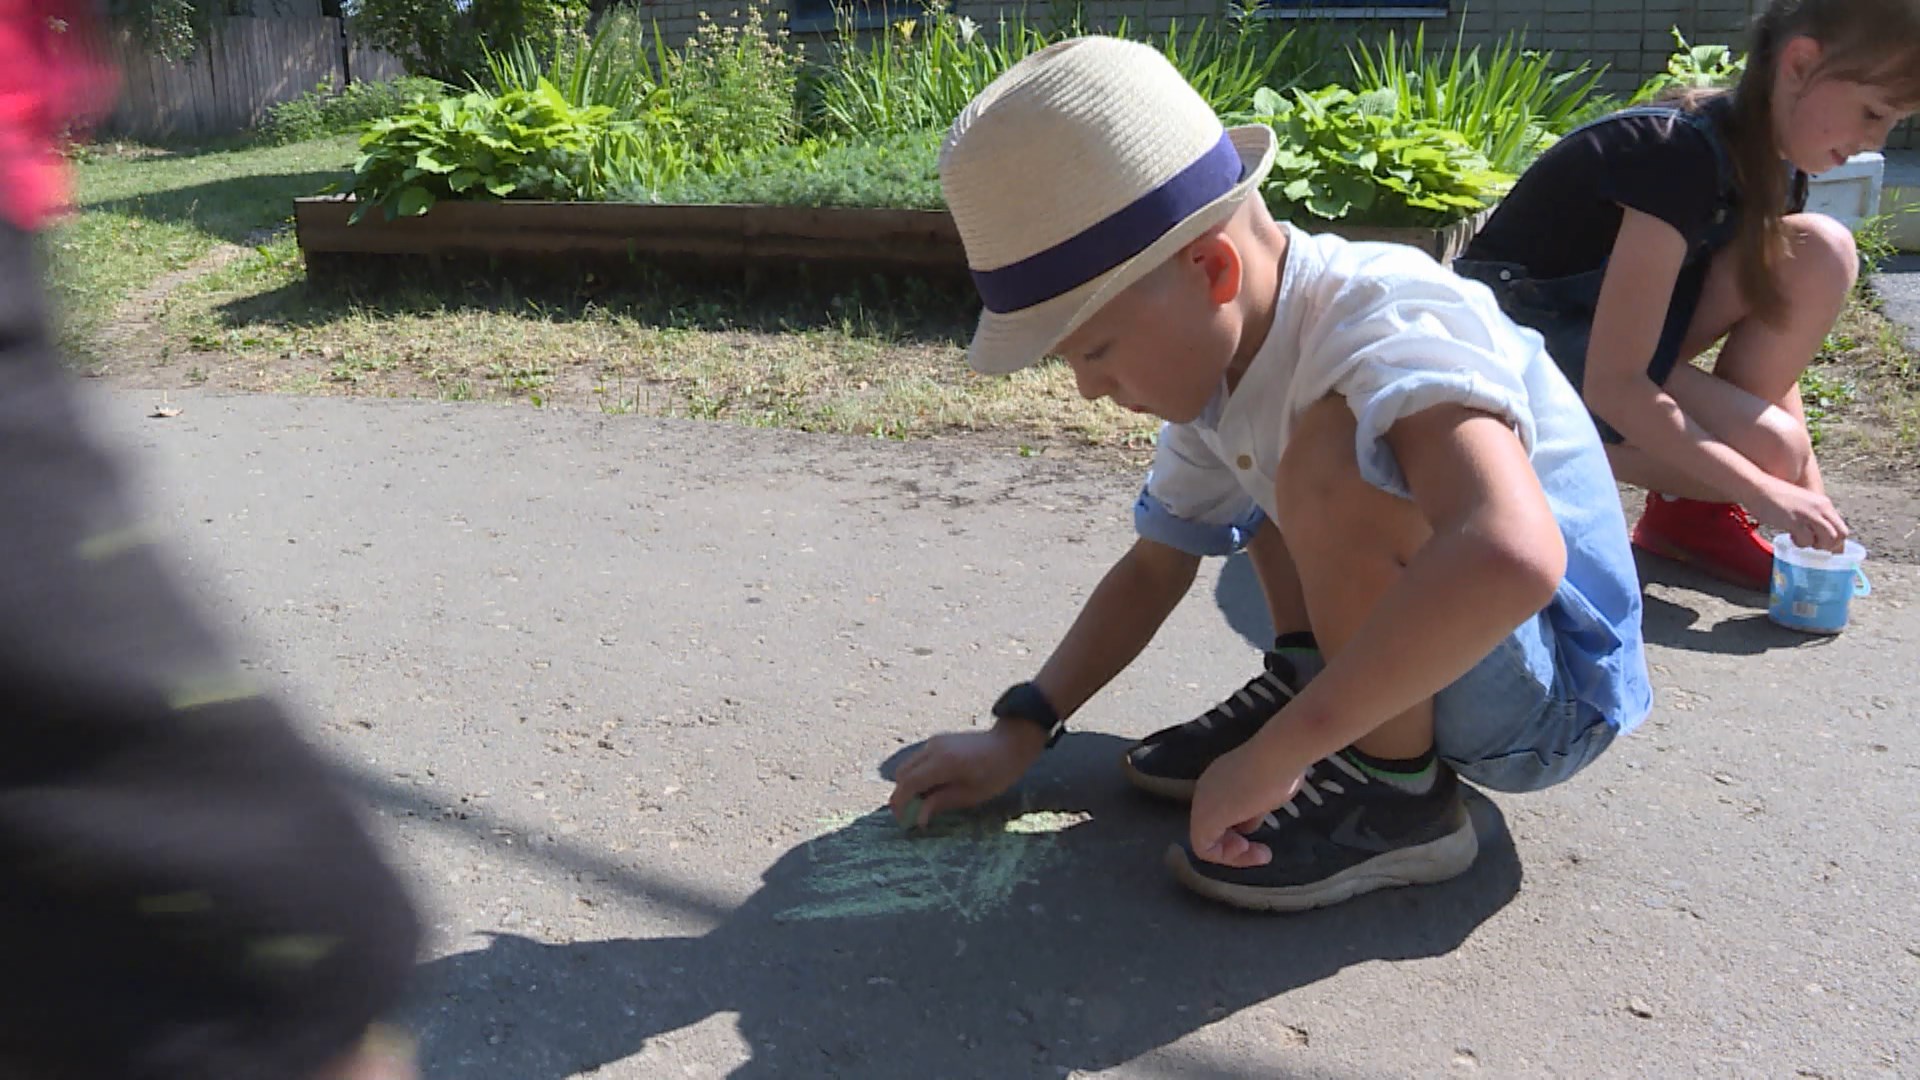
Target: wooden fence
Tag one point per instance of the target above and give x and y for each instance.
(227, 85)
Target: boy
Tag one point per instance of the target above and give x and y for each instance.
(1423, 492)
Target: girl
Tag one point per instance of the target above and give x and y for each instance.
(184, 889)
(1639, 241)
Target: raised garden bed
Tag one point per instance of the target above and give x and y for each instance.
(866, 239)
(906, 238)
(1444, 243)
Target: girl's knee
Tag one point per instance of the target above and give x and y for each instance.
(1782, 446)
(1823, 258)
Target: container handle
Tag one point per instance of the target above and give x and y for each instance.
(1861, 586)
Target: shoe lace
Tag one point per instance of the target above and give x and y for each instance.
(1316, 780)
(1266, 686)
(1743, 517)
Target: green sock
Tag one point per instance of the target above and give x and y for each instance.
(1415, 776)
(1302, 652)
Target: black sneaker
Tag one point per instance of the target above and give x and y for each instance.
(1169, 762)
(1343, 834)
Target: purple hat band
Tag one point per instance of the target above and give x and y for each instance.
(1113, 240)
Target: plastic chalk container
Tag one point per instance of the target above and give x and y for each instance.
(1813, 589)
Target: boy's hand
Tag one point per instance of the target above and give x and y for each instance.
(1235, 792)
(953, 772)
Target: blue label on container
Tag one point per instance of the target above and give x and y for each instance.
(1808, 599)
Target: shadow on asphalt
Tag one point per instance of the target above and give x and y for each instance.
(1677, 626)
(1237, 594)
(1094, 957)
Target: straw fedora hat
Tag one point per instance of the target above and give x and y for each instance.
(1075, 173)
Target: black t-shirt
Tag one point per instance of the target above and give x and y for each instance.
(1563, 214)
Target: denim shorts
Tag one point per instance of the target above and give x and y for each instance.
(1512, 723)
(1561, 311)
(1561, 308)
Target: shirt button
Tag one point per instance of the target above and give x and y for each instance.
(1244, 462)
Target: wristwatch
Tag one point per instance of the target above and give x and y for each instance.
(1026, 702)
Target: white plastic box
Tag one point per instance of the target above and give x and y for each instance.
(1901, 198)
(1849, 193)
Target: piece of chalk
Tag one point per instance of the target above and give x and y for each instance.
(911, 817)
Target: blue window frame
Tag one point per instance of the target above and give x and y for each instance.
(814, 16)
(1355, 9)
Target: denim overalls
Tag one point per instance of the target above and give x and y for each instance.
(1561, 309)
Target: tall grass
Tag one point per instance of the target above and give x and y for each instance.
(726, 93)
(621, 66)
(918, 73)
(1511, 107)
(913, 75)
(1227, 61)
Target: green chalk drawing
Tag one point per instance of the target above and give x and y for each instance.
(200, 692)
(106, 545)
(292, 951)
(865, 867)
(184, 903)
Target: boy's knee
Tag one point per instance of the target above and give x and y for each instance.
(1824, 258)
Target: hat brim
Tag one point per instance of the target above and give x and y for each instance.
(1005, 343)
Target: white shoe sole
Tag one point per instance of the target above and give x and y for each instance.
(1164, 787)
(1427, 864)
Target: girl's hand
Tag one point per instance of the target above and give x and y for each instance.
(1808, 516)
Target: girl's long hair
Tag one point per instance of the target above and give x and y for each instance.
(1868, 41)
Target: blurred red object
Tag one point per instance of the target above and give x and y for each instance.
(55, 78)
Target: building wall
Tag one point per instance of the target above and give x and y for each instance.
(1632, 36)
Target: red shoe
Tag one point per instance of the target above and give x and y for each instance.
(1721, 539)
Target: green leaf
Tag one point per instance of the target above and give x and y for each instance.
(1328, 206)
(1357, 193)
(414, 201)
(462, 179)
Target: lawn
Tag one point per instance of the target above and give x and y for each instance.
(148, 214)
(232, 310)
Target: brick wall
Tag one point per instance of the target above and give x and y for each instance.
(1633, 38)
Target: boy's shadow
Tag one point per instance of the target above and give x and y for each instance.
(1238, 596)
(984, 953)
